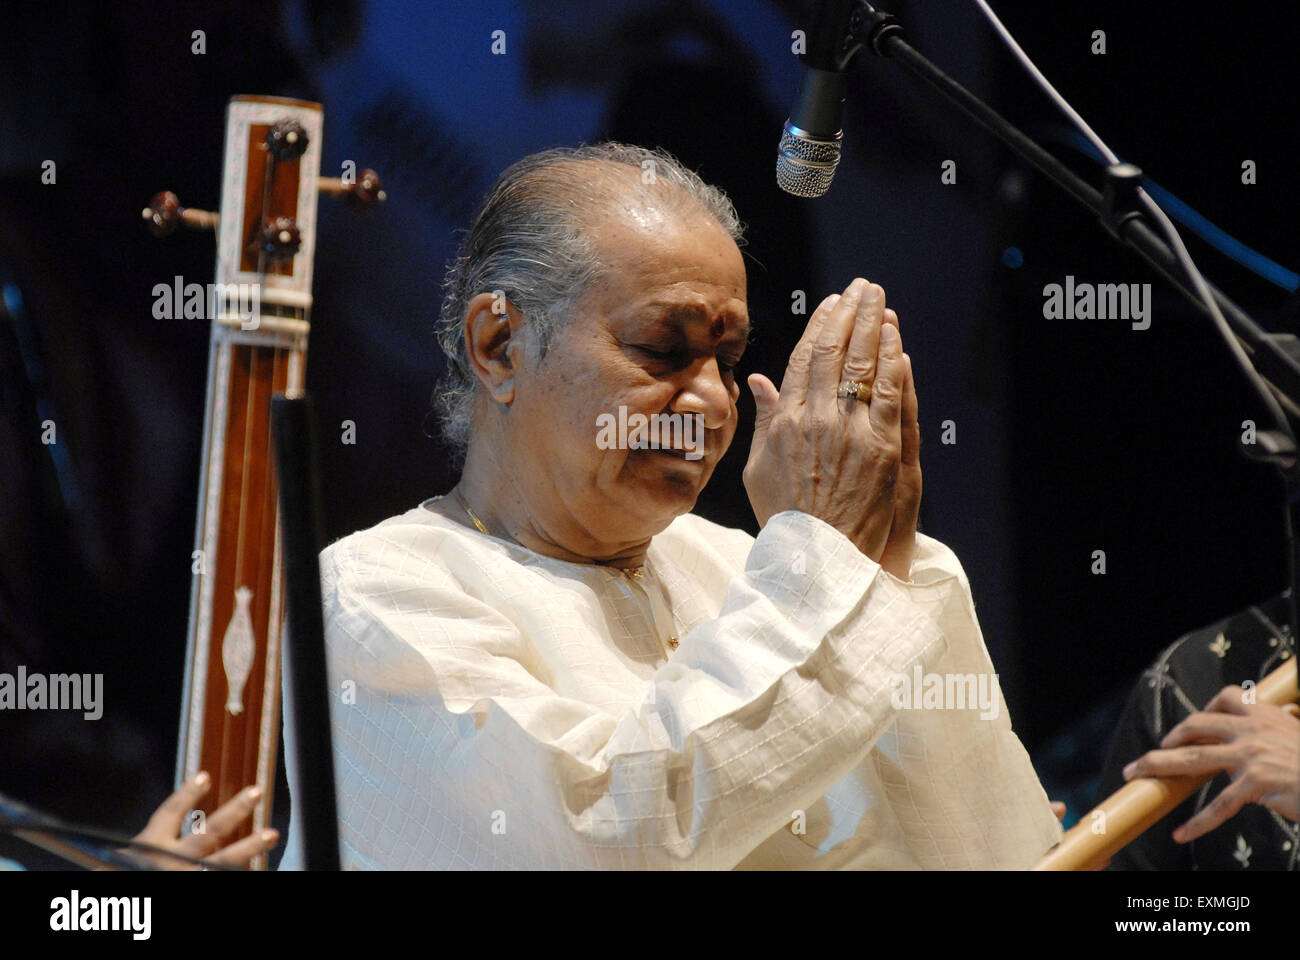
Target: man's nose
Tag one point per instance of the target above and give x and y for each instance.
(705, 393)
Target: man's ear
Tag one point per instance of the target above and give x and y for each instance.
(494, 341)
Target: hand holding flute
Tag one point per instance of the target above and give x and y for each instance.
(1257, 742)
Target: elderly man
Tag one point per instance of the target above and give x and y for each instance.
(557, 665)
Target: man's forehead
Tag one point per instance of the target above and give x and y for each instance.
(625, 212)
(681, 247)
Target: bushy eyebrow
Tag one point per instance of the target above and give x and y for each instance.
(679, 313)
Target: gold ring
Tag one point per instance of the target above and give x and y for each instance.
(852, 388)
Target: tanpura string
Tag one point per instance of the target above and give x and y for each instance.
(266, 559)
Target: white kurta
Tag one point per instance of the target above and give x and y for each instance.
(497, 709)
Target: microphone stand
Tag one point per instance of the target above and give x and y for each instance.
(1275, 357)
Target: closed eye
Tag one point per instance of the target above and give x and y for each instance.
(674, 357)
(658, 354)
(726, 365)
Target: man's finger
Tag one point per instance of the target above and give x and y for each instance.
(1229, 700)
(239, 853)
(1200, 727)
(814, 325)
(887, 394)
(794, 384)
(167, 819)
(226, 819)
(766, 398)
(911, 426)
(1230, 800)
(1184, 761)
(864, 343)
(829, 348)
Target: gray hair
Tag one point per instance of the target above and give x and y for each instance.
(528, 240)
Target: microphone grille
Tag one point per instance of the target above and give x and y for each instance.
(805, 164)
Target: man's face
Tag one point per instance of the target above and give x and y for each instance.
(661, 334)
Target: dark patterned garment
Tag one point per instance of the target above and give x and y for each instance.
(1245, 646)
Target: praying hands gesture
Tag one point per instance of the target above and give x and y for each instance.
(847, 455)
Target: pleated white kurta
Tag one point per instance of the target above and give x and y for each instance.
(497, 709)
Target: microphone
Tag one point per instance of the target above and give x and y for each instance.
(809, 150)
(810, 144)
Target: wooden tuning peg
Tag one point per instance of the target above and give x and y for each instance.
(165, 213)
(287, 140)
(363, 193)
(278, 239)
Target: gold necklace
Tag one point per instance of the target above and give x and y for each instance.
(477, 522)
